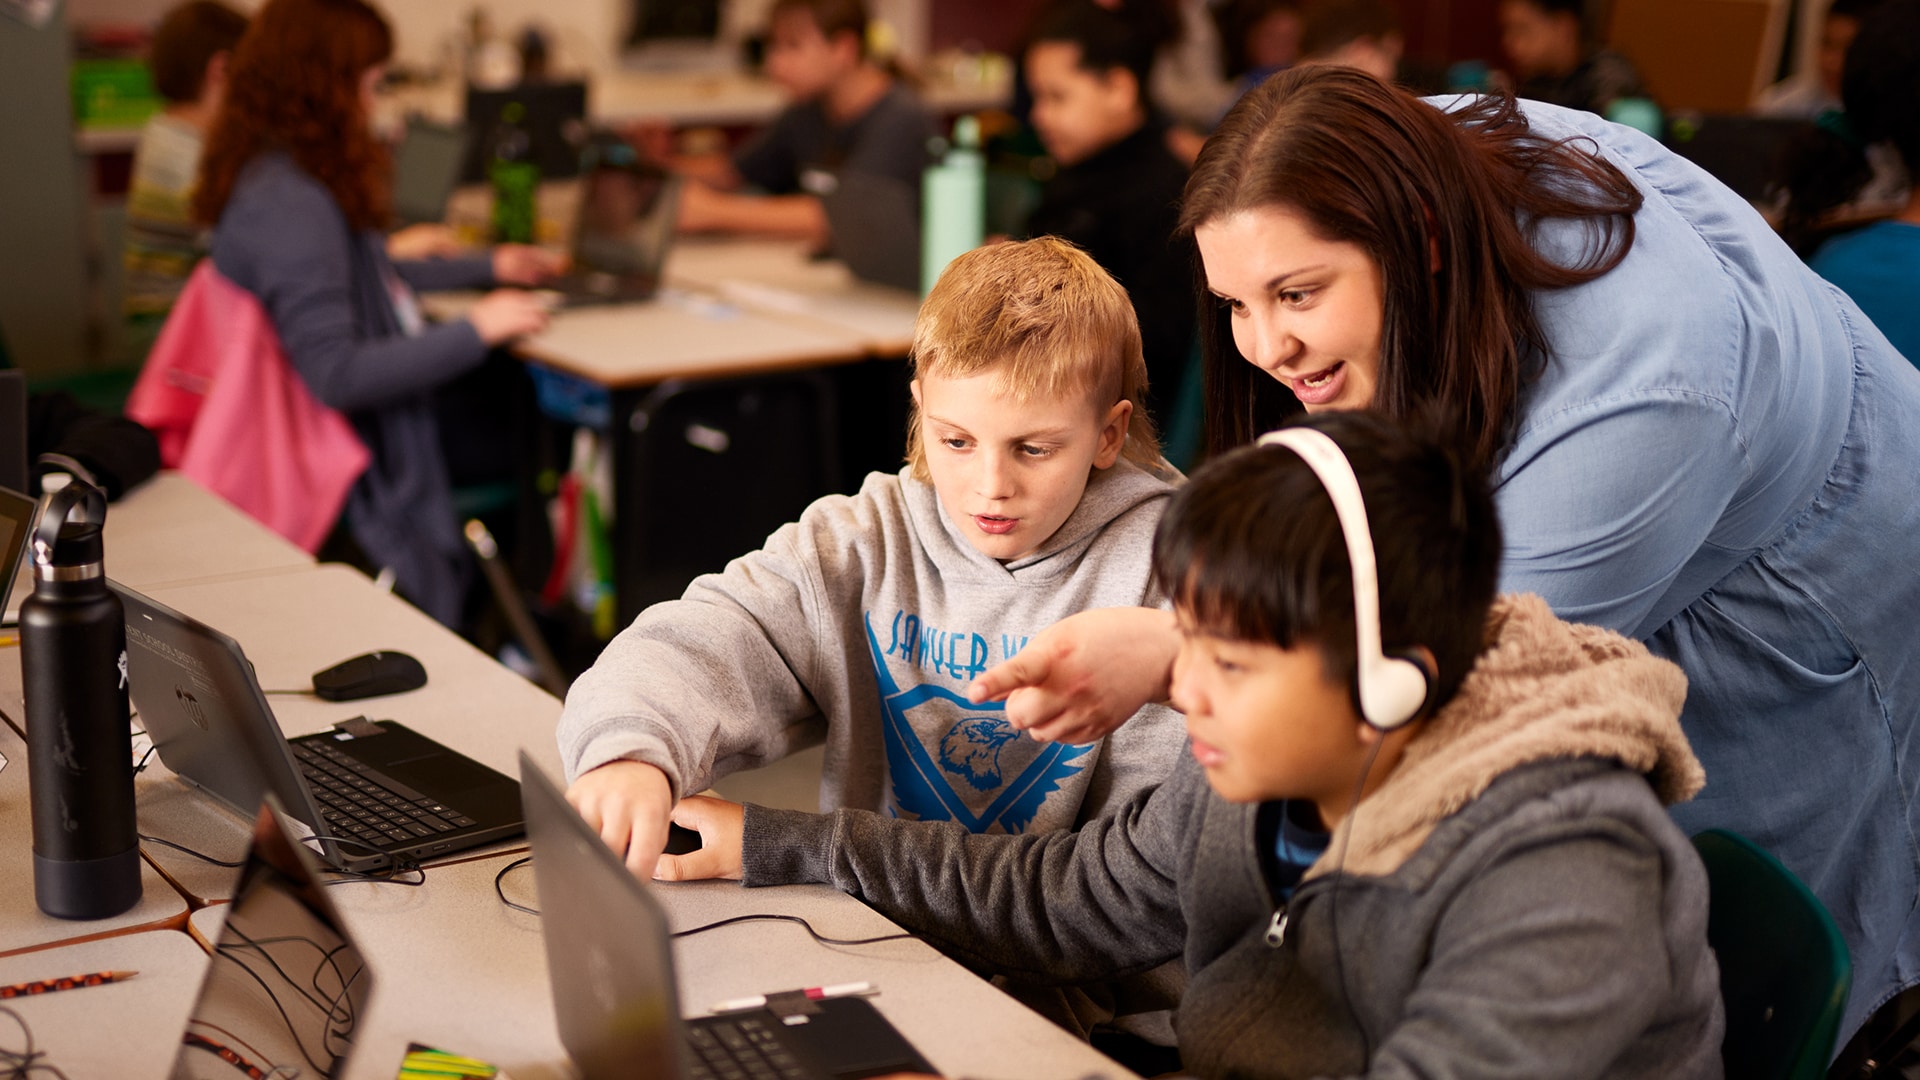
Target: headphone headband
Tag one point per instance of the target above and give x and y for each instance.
(1392, 690)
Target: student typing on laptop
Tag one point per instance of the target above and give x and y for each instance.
(850, 117)
(295, 187)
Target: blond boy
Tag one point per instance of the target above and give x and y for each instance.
(1032, 490)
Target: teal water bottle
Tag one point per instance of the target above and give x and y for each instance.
(515, 177)
(953, 203)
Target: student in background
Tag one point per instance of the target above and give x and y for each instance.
(1556, 61)
(1363, 34)
(296, 188)
(1806, 95)
(1479, 880)
(1117, 191)
(1879, 264)
(1032, 489)
(849, 115)
(189, 56)
(1266, 37)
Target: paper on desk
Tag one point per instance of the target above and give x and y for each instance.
(425, 1063)
(770, 297)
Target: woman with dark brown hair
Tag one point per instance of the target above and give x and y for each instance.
(296, 187)
(1695, 441)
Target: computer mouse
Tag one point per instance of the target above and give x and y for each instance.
(370, 675)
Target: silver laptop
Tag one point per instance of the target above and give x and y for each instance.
(286, 989)
(375, 792)
(17, 512)
(614, 992)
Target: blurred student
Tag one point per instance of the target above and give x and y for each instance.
(1471, 876)
(1363, 34)
(296, 187)
(1032, 489)
(1116, 193)
(1878, 265)
(850, 117)
(189, 56)
(1556, 61)
(1265, 37)
(1806, 95)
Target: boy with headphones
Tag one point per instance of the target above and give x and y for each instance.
(1421, 831)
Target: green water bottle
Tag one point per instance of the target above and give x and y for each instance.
(953, 203)
(515, 177)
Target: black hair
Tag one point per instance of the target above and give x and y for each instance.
(1107, 39)
(1880, 90)
(1326, 25)
(1251, 548)
(186, 40)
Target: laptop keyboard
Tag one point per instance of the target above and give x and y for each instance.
(361, 803)
(747, 1048)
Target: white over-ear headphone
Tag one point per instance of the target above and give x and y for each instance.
(1392, 690)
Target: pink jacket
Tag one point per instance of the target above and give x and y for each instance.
(232, 414)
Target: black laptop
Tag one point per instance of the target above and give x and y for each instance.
(610, 959)
(628, 218)
(374, 792)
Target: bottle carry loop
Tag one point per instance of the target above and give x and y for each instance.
(53, 516)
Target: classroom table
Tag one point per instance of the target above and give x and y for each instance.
(22, 925)
(171, 529)
(456, 968)
(733, 307)
(126, 1030)
(695, 99)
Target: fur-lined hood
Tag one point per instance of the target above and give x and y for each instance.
(1542, 689)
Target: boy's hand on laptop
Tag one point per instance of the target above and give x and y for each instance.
(524, 264)
(627, 803)
(1082, 677)
(720, 824)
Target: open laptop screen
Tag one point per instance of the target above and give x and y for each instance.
(286, 990)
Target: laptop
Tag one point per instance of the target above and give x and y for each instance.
(13, 430)
(426, 168)
(615, 995)
(16, 525)
(554, 115)
(286, 988)
(374, 792)
(628, 217)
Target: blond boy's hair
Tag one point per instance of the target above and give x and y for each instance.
(1044, 317)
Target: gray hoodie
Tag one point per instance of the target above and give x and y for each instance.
(861, 625)
(1512, 902)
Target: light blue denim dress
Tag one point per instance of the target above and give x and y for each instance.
(1722, 458)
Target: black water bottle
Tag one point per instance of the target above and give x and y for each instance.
(73, 655)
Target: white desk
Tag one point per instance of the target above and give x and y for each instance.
(127, 1030)
(171, 529)
(457, 969)
(735, 99)
(777, 277)
(22, 925)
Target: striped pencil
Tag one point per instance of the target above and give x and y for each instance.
(70, 982)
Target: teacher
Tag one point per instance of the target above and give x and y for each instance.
(1695, 441)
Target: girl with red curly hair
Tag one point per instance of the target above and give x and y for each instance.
(296, 187)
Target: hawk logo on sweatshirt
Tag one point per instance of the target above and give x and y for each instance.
(976, 750)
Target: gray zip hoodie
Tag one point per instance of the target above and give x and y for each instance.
(861, 625)
(1512, 902)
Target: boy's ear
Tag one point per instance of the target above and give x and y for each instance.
(1123, 90)
(1113, 434)
(914, 389)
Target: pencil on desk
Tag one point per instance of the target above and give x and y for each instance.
(70, 982)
